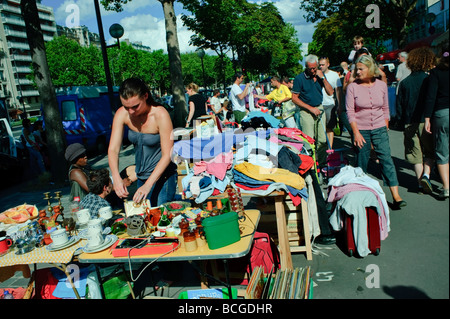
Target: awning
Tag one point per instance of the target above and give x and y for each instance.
(424, 42)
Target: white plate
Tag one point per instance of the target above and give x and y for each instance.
(109, 241)
(72, 240)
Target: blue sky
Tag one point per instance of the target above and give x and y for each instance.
(143, 20)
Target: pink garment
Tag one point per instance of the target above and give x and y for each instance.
(367, 106)
(276, 140)
(217, 166)
(294, 133)
(337, 193)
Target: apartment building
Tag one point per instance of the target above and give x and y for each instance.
(16, 89)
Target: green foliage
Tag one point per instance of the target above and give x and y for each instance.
(255, 34)
(71, 64)
(395, 17)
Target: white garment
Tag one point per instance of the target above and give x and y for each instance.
(349, 175)
(238, 104)
(335, 82)
(215, 103)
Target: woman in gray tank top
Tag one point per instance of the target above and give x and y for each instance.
(150, 132)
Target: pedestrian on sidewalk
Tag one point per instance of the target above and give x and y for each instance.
(419, 145)
(368, 113)
(437, 117)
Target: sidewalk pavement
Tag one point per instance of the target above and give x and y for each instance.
(413, 262)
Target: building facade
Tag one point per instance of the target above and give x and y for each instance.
(16, 88)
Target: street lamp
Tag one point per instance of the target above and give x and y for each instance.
(116, 31)
(201, 55)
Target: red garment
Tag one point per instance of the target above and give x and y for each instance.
(262, 187)
(307, 163)
(45, 284)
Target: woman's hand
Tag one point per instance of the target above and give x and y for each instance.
(427, 125)
(120, 188)
(359, 140)
(142, 193)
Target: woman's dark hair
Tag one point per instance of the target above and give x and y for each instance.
(135, 87)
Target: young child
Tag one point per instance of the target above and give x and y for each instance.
(358, 44)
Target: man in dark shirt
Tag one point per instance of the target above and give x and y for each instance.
(307, 94)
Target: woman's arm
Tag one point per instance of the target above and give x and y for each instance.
(114, 150)
(191, 113)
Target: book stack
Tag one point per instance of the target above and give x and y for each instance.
(284, 284)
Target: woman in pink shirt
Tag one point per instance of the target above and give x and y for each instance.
(368, 114)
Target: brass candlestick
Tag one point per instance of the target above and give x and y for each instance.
(58, 197)
(48, 197)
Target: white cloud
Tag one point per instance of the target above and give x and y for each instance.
(151, 31)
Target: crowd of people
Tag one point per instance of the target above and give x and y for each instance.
(318, 100)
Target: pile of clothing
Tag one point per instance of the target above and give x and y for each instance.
(352, 191)
(256, 162)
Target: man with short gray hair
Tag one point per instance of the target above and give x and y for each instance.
(402, 71)
(307, 94)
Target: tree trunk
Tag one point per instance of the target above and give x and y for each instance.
(176, 73)
(53, 124)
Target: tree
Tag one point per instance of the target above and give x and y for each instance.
(395, 16)
(173, 50)
(71, 64)
(256, 35)
(54, 128)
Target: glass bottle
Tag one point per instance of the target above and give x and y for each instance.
(164, 221)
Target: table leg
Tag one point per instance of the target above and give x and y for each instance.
(283, 240)
(227, 277)
(63, 267)
(100, 281)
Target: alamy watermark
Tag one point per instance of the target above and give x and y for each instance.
(373, 20)
(73, 19)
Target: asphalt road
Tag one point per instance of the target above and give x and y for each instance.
(414, 258)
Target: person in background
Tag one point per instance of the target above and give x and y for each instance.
(237, 97)
(216, 105)
(100, 186)
(36, 161)
(437, 117)
(150, 131)
(403, 70)
(41, 140)
(78, 172)
(344, 66)
(419, 150)
(331, 103)
(197, 104)
(368, 113)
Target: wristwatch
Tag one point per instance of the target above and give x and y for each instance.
(322, 78)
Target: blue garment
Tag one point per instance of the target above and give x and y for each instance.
(209, 148)
(309, 91)
(147, 152)
(271, 120)
(164, 189)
